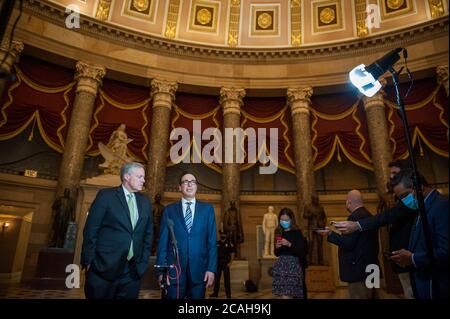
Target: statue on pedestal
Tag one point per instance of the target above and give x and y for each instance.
(115, 152)
(63, 212)
(315, 214)
(232, 227)
(270, 223)
(158, 209)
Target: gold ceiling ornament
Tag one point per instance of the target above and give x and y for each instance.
(141, 5)
(172, 18)
(233, 27)
(264, 20)
(394, 4)
(103, 10)
(296, 25)
(204, 16)
(327, 15)
(436, 8)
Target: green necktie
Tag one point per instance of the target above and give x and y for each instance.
(134, 218)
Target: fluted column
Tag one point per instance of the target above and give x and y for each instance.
(299, 100)
(442, 76)
(231, 102)
(11, 57)
(379, 138)
(163, 94)
(89, 78)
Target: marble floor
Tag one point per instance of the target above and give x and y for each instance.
(237, 291)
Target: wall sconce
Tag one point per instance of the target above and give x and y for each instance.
(5, 227)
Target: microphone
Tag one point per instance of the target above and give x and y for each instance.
(172, 237)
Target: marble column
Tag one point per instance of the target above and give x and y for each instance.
(442, 76)
(8, 65)
(89, 78)
(379, 138)
(299, 99)
(163, 94)
(231, 102)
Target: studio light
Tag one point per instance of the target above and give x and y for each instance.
(366, 78)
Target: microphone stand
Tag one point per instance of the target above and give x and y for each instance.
(416, 183)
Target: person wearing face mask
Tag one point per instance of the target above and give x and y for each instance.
(413, 255)
(289, 248)
(356, 251)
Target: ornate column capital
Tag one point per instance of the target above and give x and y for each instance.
(163, 92)
(299, 99)
(89, 77)
(378, 98)
(231, 100)
(11, 55)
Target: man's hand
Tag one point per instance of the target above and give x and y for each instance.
(346, 227)
(324, 232)
(160, 277)
(402, 257)
(209, 279)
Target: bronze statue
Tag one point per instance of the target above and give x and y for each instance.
(232, 226)
(317, 218)
(158, 209)
(63, 212)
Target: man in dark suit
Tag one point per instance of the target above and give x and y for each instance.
(356, 251)
(414, 255)
(117, 238)
(429, 281)
(194, 228)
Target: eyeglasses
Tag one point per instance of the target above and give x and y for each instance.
(186, 182)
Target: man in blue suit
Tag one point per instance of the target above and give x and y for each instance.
(194, 228)
(117, 238)
(436, 207)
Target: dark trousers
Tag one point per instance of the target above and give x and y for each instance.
(226, 280)
(187, 289)
(125, 287)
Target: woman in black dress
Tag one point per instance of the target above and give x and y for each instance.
(289, 248)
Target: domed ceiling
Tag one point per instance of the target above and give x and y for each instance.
(261, 23)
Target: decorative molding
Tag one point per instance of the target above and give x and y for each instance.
(235, 14)
(12, 55)
(372, 44)
(172, 19)
(296, 23)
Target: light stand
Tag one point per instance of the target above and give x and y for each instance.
(366, 80)
(416, 180)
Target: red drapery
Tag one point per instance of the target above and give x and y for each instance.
(43, 96)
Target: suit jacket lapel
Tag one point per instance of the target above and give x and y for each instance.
(121, 195)
(415, 234)
(181, 216)
(197, 214)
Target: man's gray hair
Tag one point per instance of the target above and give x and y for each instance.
(126, 168)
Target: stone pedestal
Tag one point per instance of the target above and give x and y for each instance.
(265, 281)
(319, 279)
(51, 268)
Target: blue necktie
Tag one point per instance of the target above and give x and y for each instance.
(188, 217)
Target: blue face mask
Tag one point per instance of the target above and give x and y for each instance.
(410, 202)
(285, 223)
